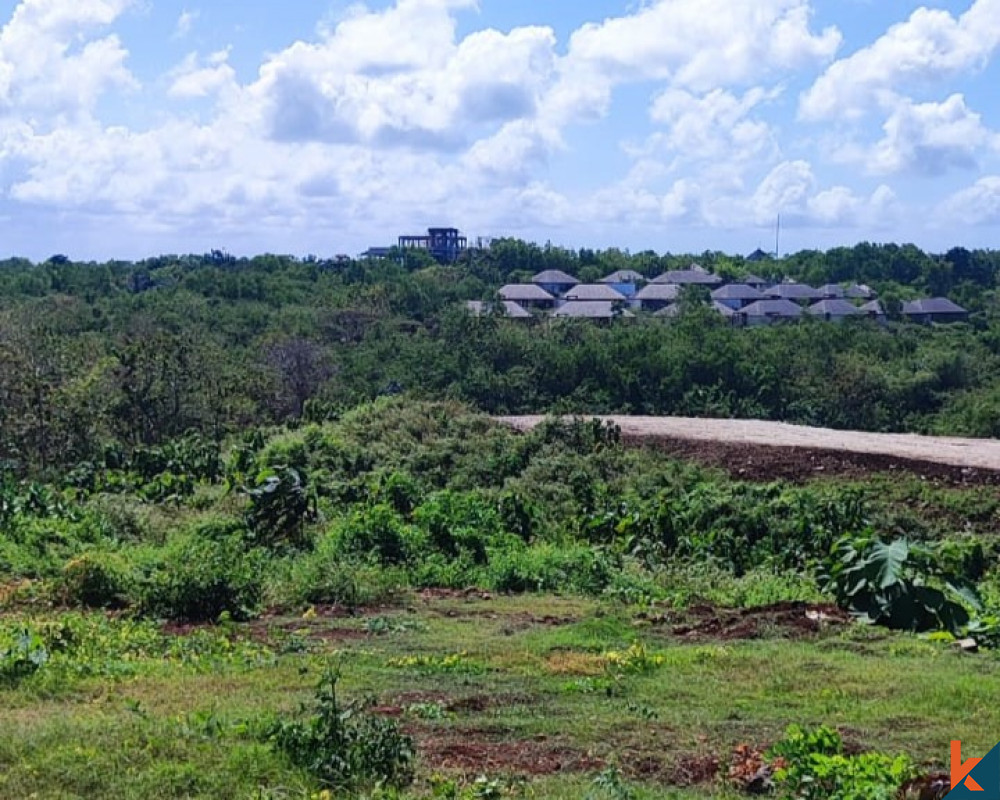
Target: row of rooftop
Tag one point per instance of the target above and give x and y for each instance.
(751, 301)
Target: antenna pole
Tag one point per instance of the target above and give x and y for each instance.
(777, 238)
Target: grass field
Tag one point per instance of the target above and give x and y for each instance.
(515, 689)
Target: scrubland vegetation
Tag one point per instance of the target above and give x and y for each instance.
(260, 538)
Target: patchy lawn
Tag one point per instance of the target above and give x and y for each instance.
(535, 691)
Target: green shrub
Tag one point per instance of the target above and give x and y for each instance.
(199, 579)
(345, 747)
(281, 503)
(378, 532)
(459, 523)
(319, 578)
(96, 580)
(814, 767)
(899, 585)
(545, 567)
(21, 655)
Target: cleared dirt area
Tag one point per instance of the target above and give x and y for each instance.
(765, 450)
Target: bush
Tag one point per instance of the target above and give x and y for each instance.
(324, 576)
(199, 579)
(378, 532)
(96, 580)
(814, 767)
(572, 568)
(346, 747)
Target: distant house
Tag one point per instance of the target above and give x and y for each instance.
(444, 244)
(934, 309)
(756, 281)
(527, 295)
(770, 312)
(726, 312)
(759, 255)
(656, 296)
(555, 282)
(594, 292)
(874, 311)
(592, 309)
(832, 290)
(737, 295)
(376, 253)
(792, 290)
(695, 275)
(513, 310)
(624, 281)
(834, 309)
(859, 291)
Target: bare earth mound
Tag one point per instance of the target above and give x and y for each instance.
(761, 450)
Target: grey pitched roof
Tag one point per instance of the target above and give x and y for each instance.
(832, 290)
(933, 305)
(623, 276)
(759, 255)
(835, 307)
(874, 307)
(859, 292)
(669, 311)
(659, 291)
(737, 291)
(725, 310)
(593, 292)
(516, 311)
(683, 277)
(773, 308)
(791, 290)
(554, 276)
(512, 310)
(524, 292)
(589, 309)
(755, 280)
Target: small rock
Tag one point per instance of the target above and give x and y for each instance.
(969, 645)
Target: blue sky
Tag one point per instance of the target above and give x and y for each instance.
(137, 127)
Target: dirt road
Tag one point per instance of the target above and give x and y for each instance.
(781, 450)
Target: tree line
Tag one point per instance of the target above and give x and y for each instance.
(102, 358)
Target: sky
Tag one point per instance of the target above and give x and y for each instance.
(131, 128)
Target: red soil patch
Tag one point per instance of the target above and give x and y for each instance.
(462, 751)
(693, 770)
(799, 464)
(788, 620)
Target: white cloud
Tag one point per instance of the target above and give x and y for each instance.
(978, 204)
(841, 207)
(784, 190)
(930, 46)
(389, 117)
(193, 79)
(702, 44)
(49, 66)
(398, 77)
(185, 22)
(931, 138)
(791, 190)
(714, 126)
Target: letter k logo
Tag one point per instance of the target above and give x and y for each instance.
(960, 772)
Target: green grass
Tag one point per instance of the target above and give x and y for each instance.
(180, 729)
